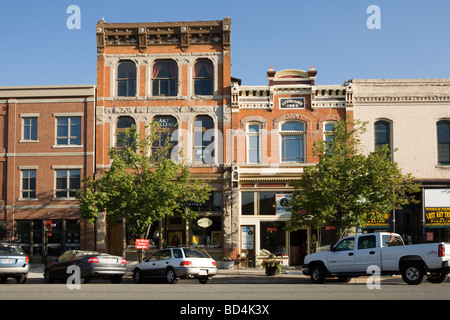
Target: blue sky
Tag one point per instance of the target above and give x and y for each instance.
(37, 48)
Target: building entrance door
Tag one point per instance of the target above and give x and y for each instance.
(298, 247)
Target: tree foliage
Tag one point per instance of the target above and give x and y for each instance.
(142, 185)
(346, 186)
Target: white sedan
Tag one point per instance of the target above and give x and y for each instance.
(173, 264)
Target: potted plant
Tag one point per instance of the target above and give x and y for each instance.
(272, 266)
(228, 263)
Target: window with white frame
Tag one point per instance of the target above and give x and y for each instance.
(67, 183)
(254, 143)
(126, 79)
(203, 77)
(29, 129)
(68, 131)
(328, 133)
(28, 184)
(203, 153)
(292, 141)
(164, 78)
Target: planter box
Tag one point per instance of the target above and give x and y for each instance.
(225, 264)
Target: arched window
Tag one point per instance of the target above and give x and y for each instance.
(126, 79)
(166, 126)
(292, 142)
(328, 133)
(254, 143)
(382, 134)
(164, 78)
(123, 123)
(443, 137)
(203, 77)
(201, 141)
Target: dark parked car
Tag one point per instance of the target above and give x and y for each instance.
(92, 265)
(14, 263)
(172, 264)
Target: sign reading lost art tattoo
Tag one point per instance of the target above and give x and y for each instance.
(437, 217)
(292, 103)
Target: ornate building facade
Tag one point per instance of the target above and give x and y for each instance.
(177, 74)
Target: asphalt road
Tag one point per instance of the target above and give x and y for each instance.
(390, 289)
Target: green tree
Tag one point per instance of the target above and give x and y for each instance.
(142, 186)
(346, 186)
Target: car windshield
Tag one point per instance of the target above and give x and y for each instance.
(194, 253)
(10, 250)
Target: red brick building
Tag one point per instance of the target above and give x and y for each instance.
(275, 127)
(177, 74)
(46, 146)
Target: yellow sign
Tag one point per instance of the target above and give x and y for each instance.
(437, 217)
(376, 221)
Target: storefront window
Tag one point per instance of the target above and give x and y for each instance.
(209, 237)
(72, 234)
(273, 236)
(259, 203)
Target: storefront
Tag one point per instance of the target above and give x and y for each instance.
(44, 239)
(263, 220)
(436, 208)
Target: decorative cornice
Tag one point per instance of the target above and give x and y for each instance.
(400, 99)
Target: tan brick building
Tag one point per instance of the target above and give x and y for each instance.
(46, 147)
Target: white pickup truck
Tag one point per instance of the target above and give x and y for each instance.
(357, 255)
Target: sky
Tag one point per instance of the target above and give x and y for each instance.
(412, 38)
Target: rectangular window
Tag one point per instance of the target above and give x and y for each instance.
(67, 183)
(292, 148)
(30, 129)
(253, 144)
(28, 184)
(258, 203)
(68, 131)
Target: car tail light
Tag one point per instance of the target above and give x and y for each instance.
(214, 263)
(27, 259)
(124, 261)
(93, 260)
(185, 263)
(441, 250)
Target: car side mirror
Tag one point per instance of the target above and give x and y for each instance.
(332, 249)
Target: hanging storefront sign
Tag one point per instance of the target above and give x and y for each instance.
(204, 222)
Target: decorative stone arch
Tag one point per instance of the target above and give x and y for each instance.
(327, 118)
(249, 119)
(292, 117)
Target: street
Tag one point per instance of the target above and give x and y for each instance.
(390, 289)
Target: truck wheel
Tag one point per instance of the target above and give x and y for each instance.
(437, 277)
(413, 273)
(318, 273)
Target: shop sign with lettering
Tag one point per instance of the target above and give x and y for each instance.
(437, 217)
(292, 103)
